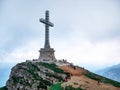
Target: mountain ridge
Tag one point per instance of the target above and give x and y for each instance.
(111, 72)
(31, 75)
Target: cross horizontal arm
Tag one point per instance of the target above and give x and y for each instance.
(46, 22)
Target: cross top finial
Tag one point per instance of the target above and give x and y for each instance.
(47, 24)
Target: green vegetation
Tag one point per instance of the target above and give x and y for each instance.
(69, 87)
(43, 83)
(55, 76)
(78, 88)
(32, 68)
(18, 80)
(102, 79)
(3, 88)
(52, 67)
(56, 86)
(75, 83)
(68, 74)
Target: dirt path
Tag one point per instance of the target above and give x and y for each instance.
(79, 80)
(74, 70)
(88, 84)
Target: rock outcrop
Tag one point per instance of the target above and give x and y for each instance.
(34, 76)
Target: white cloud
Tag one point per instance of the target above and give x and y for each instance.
(86, 53)
(85, 32)
(28, 51)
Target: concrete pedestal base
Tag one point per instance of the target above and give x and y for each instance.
(47, 55)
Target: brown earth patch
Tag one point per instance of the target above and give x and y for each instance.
(88, 84)
(78, 79)
(74, 70)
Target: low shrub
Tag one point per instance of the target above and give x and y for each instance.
(55, 76)
(78, 88)
(3, 88)
(69, 88)
(52, 67)
(56, 86)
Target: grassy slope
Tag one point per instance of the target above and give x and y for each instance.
(58, 86)
(91, 76)
(102, 79)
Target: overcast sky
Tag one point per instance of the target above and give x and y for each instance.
(85, 32)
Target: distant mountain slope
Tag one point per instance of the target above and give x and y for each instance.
(111, 72)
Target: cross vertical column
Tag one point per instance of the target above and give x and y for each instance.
(47, 24)
(47, 44)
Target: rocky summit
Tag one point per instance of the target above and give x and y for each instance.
(34, 76)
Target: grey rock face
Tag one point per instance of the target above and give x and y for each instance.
(34, 76)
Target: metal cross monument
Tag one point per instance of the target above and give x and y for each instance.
(47, 53)
(47, 24)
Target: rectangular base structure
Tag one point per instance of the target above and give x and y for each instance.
(47, 55)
